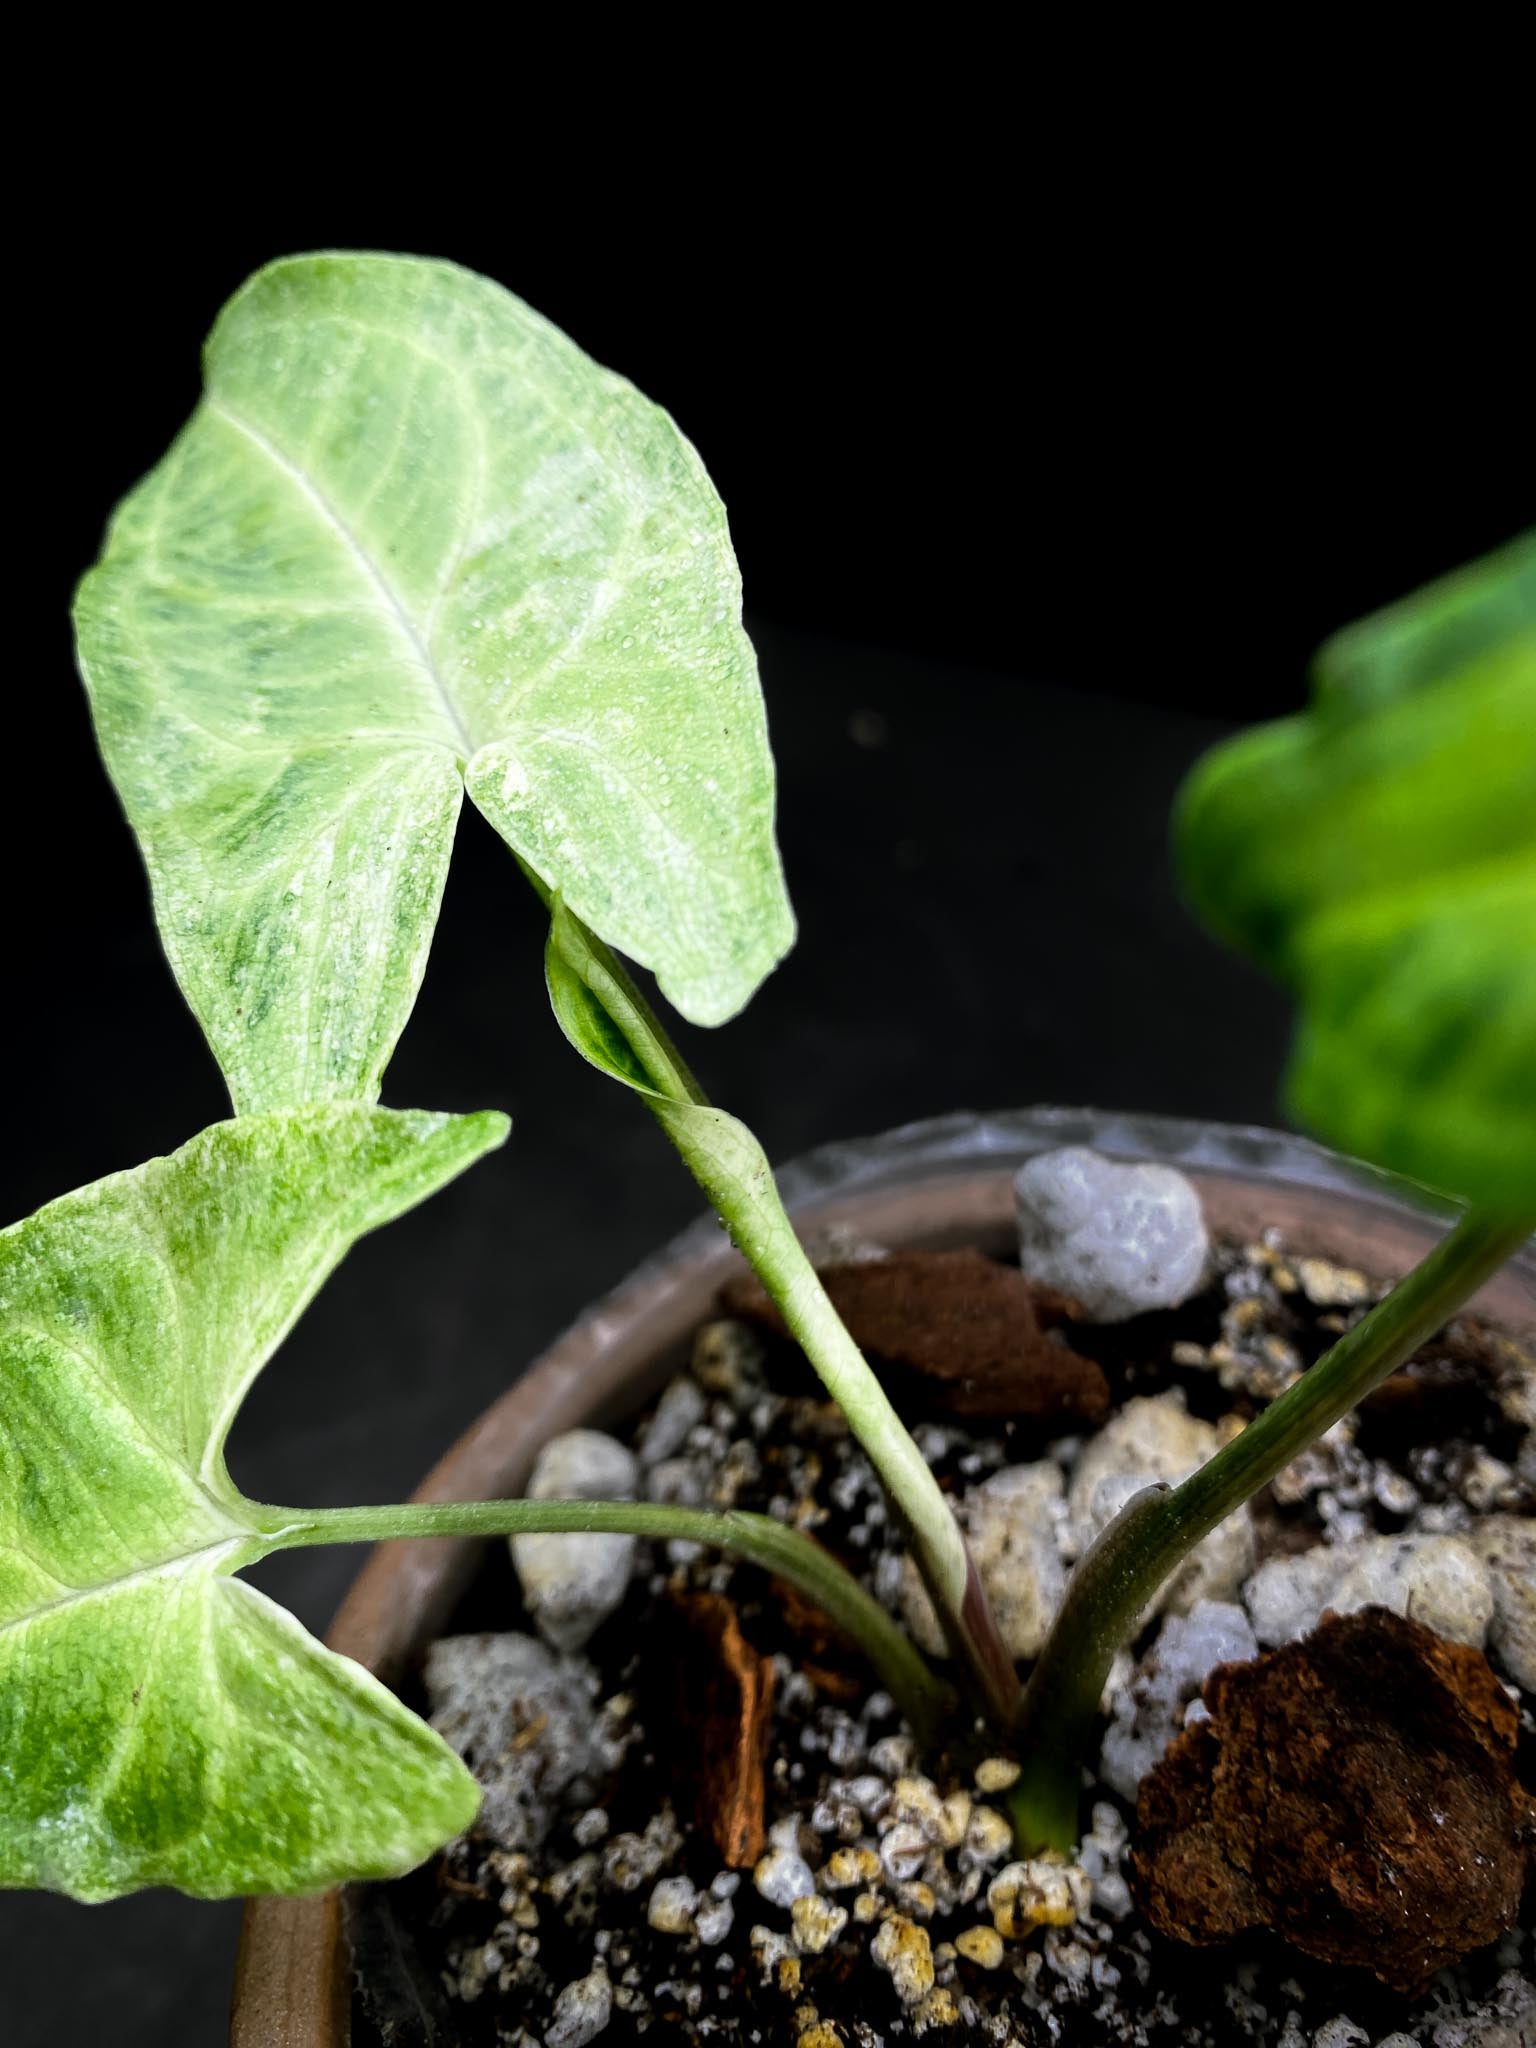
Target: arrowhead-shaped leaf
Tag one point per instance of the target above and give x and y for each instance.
(1378, 853)
(161, 1723)
(413, 540)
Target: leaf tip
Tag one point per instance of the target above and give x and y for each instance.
(721, 991)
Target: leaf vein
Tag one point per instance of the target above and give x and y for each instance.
(305, 484)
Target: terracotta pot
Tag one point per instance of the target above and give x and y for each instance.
(933, 1184)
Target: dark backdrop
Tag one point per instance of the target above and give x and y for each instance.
(1028, 514)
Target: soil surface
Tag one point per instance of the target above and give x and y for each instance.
(834, 1890)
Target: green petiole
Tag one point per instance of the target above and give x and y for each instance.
(788, 1553)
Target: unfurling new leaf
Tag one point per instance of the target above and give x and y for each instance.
(1378, 853)
(413, 541)
(161, 1723)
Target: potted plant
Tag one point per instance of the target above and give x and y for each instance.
(414, 544)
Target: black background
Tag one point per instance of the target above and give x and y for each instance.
(1057, 492)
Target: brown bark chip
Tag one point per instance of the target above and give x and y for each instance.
(829, 1659)
(1355, 1792)
(719, 1696)
(972, 1330)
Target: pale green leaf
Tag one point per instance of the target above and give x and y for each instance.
(413, 540)
(161, 1723)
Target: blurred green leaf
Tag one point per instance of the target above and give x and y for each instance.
(1378, 854)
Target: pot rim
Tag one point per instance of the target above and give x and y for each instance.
(944, 1179)
(962, 1140)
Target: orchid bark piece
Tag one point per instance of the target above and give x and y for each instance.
(1298, 1804)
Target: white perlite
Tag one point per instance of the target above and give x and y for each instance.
(1100, 1854)
(681, 1409)
(1012, 1522)
(727, 1362)
(713, 1917)
(817, 1922)
(582, 2011)
(1155, 1438)
(1507, 1546)
(782, 1876)
(677, 1483)
(1437, 1580)
(572, 1583)
(903, 1949)
(1147, 1713)
(671, 1906)
(1328, 1286)
(1120, 1239)
(1341, 2033)
(1042, 1891)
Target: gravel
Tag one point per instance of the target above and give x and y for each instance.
(1119, 1239)
(572, 1583)
(1438, 1580)
(1157, 1439)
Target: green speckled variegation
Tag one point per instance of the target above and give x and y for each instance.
(1379, 854)
(160, 1723)
(414, 541)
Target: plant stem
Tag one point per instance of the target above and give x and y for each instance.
(751, 1210)
(624, 1039)
(788, 1553)
(1123, 1569)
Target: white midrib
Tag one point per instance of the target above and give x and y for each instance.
(388, 599)
(202, 1557)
